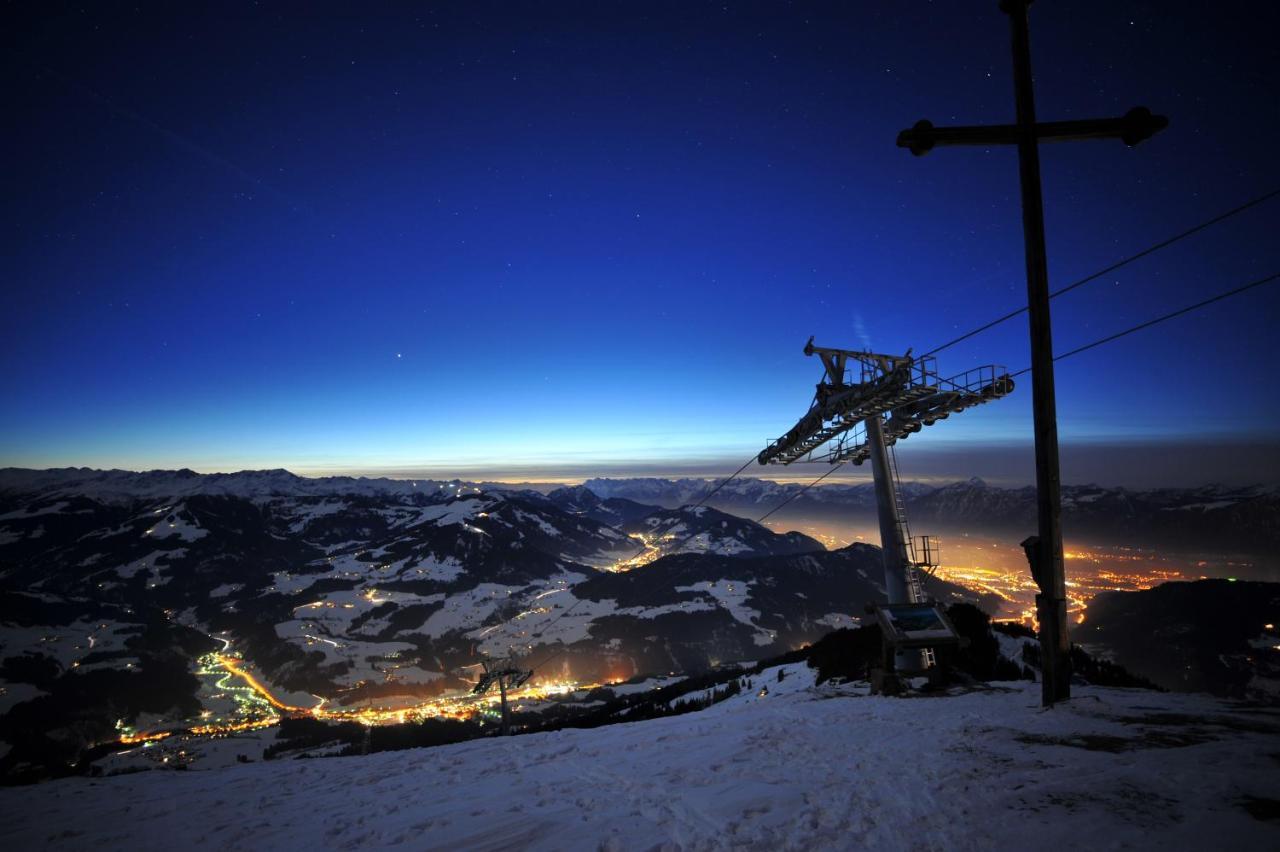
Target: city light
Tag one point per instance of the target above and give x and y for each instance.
(257, 707)
(652, 545)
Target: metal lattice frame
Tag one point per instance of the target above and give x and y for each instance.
(906, 391)
(504, 673)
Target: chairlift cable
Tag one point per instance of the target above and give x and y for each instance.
(1109, 338)
(1113, 267)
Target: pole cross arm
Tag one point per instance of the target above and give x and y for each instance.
(1137, 125)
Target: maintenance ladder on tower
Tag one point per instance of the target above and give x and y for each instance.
(922, 551)
(865, 403)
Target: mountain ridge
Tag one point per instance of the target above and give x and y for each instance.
(392, 596)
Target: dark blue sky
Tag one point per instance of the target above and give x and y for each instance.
(517, 238)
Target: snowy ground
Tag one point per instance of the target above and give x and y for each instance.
(799, 768)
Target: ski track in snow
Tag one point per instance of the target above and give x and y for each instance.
(801, 768)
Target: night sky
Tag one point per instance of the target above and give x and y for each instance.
(550, 239)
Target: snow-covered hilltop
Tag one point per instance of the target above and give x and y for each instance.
(801, 767)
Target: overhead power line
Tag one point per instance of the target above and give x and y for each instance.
(563, 647)
(680, 543)
(724, 482)
(761, 519)
(1188, 309)
(710, 494)
(578, 603)
(793, 496)
(1113, 267)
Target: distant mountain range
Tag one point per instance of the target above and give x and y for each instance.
(744, 493)
(1219, 518)
(127, 485)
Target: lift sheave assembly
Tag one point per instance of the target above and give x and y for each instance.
(864, 405)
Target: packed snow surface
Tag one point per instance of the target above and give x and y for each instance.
(797, 768)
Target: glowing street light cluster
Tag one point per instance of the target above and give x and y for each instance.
(652, 544)
(257, 707)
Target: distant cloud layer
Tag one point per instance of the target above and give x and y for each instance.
(1128, 464)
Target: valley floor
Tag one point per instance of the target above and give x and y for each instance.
(800, 768)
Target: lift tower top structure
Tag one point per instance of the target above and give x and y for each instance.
(905, 389)
(866, 403)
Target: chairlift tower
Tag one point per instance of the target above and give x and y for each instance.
(506, 675)
(864, 405)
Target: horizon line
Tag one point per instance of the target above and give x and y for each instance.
(399, 474)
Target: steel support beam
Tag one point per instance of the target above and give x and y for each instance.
(506, 713)
(893, 550)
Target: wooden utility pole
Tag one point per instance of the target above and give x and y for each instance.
(1044, 550)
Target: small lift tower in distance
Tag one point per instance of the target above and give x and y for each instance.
(865, 404)
(506, 675)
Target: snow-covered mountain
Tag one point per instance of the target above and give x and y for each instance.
(615, 511)
(701, 529)
(356, 594)
(127, 485)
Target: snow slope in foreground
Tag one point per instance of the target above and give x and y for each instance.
(800, 768)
